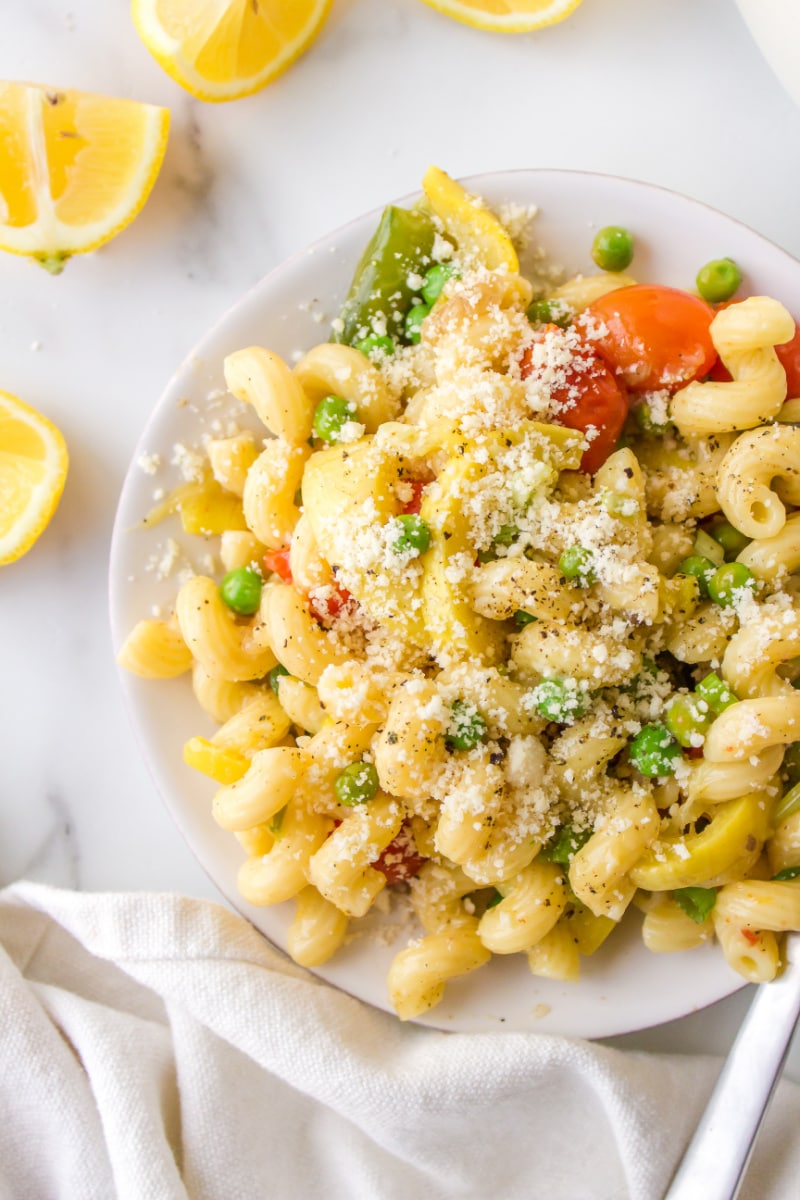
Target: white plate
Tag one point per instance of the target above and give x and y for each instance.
(624, 987)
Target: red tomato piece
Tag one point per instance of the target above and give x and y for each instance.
(414, 503)
(789, 357)
(401, 859)
(590, 397)
(656, 337)
(329, 607)
(278, 562)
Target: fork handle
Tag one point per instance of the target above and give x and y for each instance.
(716, 1159)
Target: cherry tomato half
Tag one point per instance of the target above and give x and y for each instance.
(278, 561)
(657, 337)
(401, 859)
(788, 356)
(590, 397)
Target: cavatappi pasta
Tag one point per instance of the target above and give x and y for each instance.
(508, 615)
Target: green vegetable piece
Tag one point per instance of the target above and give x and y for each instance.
(549, 312)
(718, 280)
(707, 547)
(786, 874)
(560, 700)
(414, 535)
(523, 618)
(612, 248)
(495, 900)
(643, 415)
(400, 247)
(564, 845)
(435, 279)
(274, 677)
(356, 784)
(241, 590)
(277, 822)
(791, 763)
(467, 727)
(577, 563)
(701, 568)
(376, 348)
(728, 582)
(788, 805)
(687, 719)
(696, 902)
(413, 322)
(506, 535)
(716, 693)
(654, 752)
(729, 537)
(330, 416)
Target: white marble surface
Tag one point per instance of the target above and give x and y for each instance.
(669, 91)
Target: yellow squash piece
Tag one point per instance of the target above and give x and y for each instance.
(75, 168)
(223, 49)
(726, 849)
(506, 16)
(33, 470)
(452, 628)
(476, 231)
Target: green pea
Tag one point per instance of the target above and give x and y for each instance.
(733, 542)
(577, 563)
(467, 727)
(241, 590)
(330, 416)
(376, 348)
(716, 693)
(612, 248)
(274, 677)
(560, 700)
(435, 279)
(549, 312)
(356, 784)
(414, 535)
(413, 323)
(701, 568)
(718, 280)
(728, 582)
(523, 618)
(686, 718)
(654, 752)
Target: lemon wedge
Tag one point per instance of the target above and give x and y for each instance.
(224, 49)
(506, 16)
(33, 468)
(75, 168)
(476, 230)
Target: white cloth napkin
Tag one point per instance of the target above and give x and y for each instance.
(155, 1047)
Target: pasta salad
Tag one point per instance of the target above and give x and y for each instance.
(506, 616)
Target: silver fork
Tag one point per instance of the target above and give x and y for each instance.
(716, 1159)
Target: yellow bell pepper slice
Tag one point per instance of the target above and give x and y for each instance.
(220, 763)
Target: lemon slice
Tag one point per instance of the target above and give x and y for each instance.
(75, 168)
(506, 16)
(476, 230)
(33, 468)
(223, 49)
